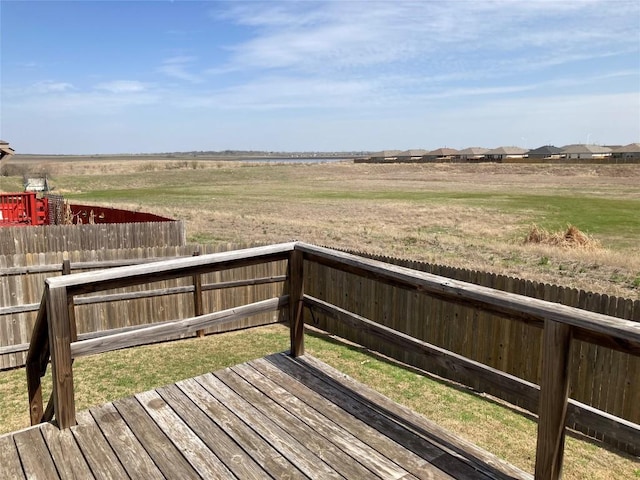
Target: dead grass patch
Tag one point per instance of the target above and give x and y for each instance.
(572, 237)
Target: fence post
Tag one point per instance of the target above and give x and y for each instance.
(197, 296)
(66, 270)
(296, 290)
(60, 335)
(554, 393)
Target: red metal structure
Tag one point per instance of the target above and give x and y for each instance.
(17, 209)
(22, 209)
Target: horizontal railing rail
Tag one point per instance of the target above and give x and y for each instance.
(561, 325)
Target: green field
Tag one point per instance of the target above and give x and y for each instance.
(473, 216)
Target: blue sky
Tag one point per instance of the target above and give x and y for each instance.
(159, 76)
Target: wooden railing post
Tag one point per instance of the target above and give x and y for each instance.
(60, 337)
(36, 364)
(197, 297)
(296, 289)
(554, 393)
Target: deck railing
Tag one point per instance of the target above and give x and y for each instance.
(55, 329)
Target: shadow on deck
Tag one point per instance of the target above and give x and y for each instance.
(276, 417)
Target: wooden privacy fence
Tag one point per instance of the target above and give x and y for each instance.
(601, 377)
(22, 280)
(55, 330)
(59, 238)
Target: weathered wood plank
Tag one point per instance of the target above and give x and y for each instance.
(481, 460)
(256, 446)
(96, 450)
(465, 368)
(132, 455)
(324, 447)
(60, 337)
(307, 461)
(338, 433)
(296, 289)
(154, 333)
(554, 393)
(163, 452)
(34, 455)
(363, 411)
(393, 451)
(37, 360)
(201, 458)
(65, 453)
(167, 269)
(228, 451)
(602, 329)
(10, 466)
(197, 297)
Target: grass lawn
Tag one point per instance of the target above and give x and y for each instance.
(467, 216)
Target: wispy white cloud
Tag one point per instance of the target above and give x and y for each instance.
(344, 35)
(122, 86)
(50, 86)
(177, 67)
(280, 93)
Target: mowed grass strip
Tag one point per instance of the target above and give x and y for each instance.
(509, 433)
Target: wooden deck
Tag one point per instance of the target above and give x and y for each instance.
(276, 417)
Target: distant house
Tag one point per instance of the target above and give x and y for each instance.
(441, 155)
(414, 155)
(472, 154)
(545, 152)
(501, 154)
(385, 156)
(628, 152)
(583, 151)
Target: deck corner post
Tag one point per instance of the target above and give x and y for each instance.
(296, 290)
(554, 393)
(61, 335)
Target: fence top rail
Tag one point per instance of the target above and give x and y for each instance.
(155, 271)
(625, 334)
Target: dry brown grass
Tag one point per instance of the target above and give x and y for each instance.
(572, 237)
(421, 211)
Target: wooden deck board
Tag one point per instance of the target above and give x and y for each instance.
(9, 459)
(277, 417)
(306, 460)
(34, 455)
(126, 446)
(65, 453)
(96, 449)
(234, 457)
(378, 464)
(341, 461)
